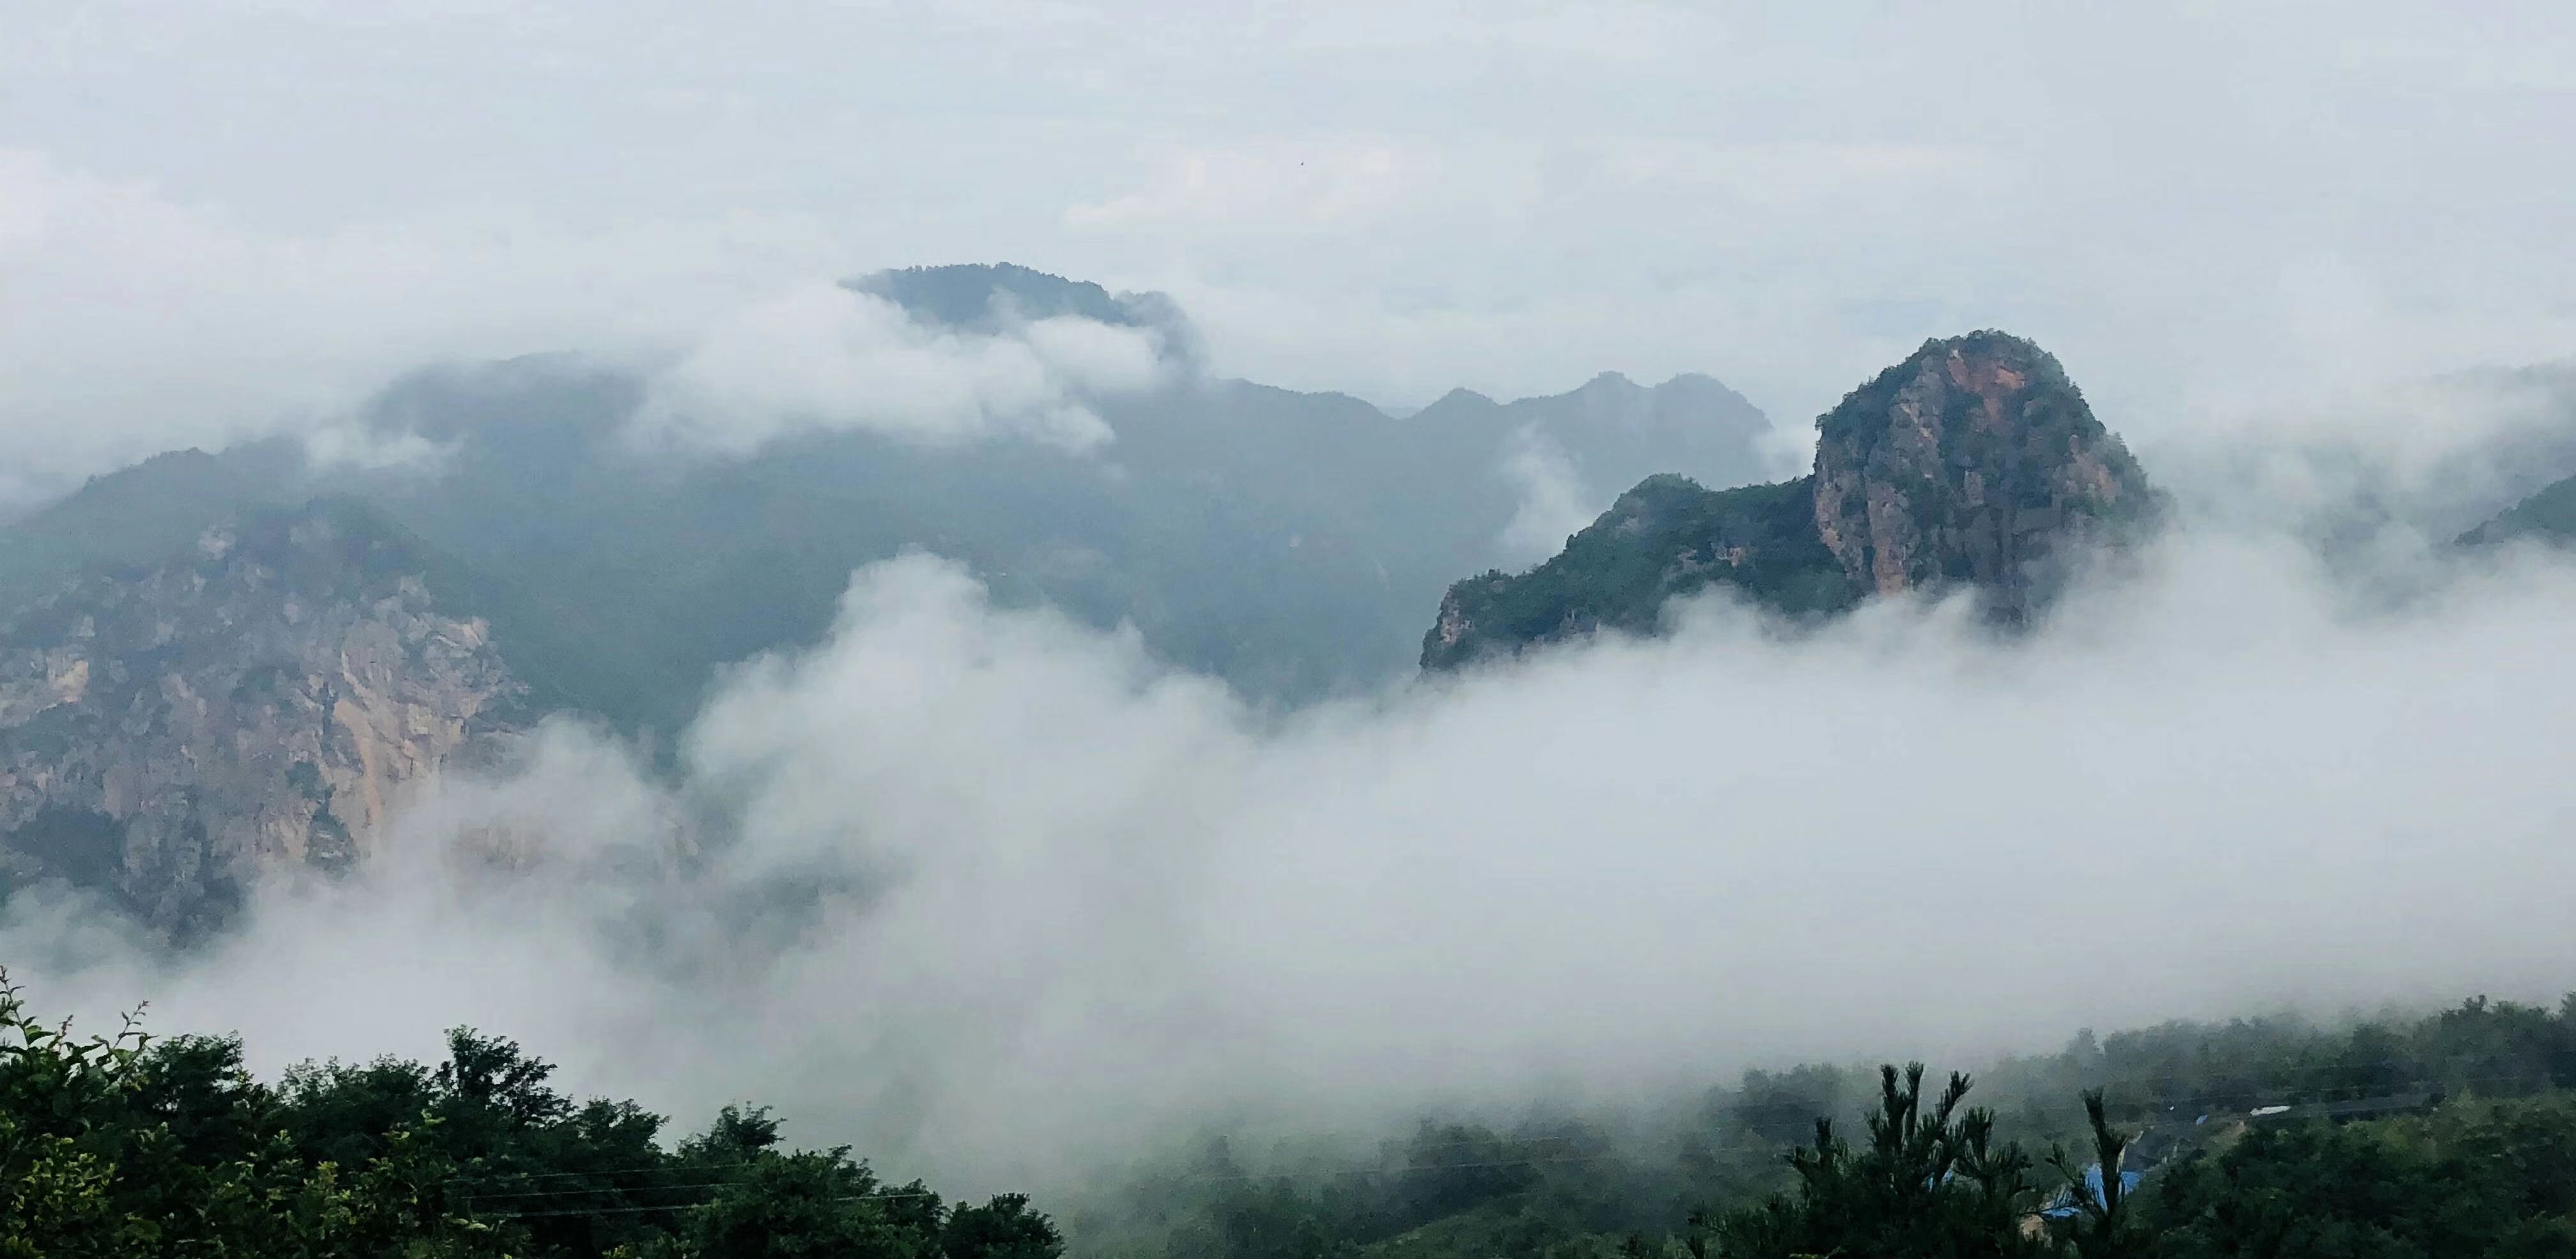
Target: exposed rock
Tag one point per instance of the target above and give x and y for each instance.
(166, 732)
(1975, 461)
(1966, 462)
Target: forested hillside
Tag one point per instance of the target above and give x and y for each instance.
(130, 1145)
(2449, 1134)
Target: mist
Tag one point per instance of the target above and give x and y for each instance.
(823, 356)
(1553, 500)
(999, 897)
(2197, 207)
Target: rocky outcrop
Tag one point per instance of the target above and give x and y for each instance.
(1966, 463)
(1974, 462)
(166, 732)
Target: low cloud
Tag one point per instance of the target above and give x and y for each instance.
(137, 323)
(822, 357)
(140, 323)
(992, 894)
(1554, 501)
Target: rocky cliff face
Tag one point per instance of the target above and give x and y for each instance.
(165, 732)
(1966, 463)
(1973, 462)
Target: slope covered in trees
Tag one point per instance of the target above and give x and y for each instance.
(128, 1146)
(2447, 1134)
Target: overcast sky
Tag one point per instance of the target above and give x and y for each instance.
(214, 214)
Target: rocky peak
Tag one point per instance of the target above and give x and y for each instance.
(1964, 463)
(266, 697)
(1973, 462)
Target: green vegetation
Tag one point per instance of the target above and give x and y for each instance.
(2436, 1136)
(1964, 465)
(128, 1146)
(2447, 1135)
(2489, 1178)
(1665, 538)
(140, 515)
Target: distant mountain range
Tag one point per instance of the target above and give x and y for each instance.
(216, 662)
(1287, 542)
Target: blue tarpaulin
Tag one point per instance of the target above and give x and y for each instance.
(2064, 1206)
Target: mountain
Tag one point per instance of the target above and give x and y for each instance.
(177, 712)
(1284, 541)
(2549, 515)
(1973, 462)
(992, 297)
(136, 515)
(1614, 431)
(267, 697)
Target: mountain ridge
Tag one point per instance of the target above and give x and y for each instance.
(1281, 540)
(1973, 461)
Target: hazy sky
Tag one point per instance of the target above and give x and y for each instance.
(215, 214)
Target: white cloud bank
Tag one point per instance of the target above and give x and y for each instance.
(990, 893)
(1554, 502)
(822, 357)
(135, 323)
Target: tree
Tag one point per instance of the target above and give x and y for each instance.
(1931, 1183)
(2101, 1226)
(813, 1205)
(1004, 1228)
(126, 1147)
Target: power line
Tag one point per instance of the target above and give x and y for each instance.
(478, 1196)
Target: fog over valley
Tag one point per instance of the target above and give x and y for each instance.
(989, 888)
(1317, 632)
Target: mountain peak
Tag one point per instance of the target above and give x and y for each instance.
(1960, 462)
(990, 297)
(979, 295)
(1964, 464)
(1455, 399)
